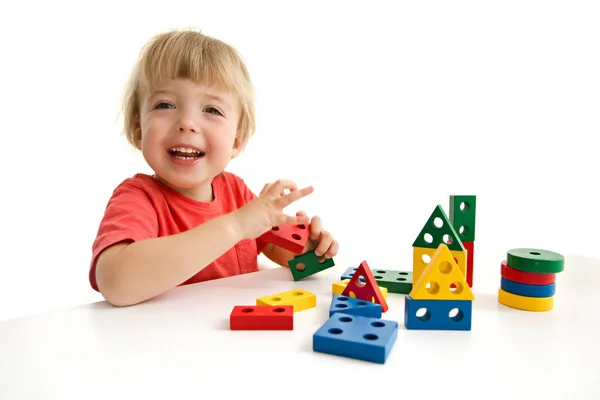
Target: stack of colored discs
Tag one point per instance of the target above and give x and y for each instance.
(528, 279)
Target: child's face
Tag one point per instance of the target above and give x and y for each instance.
(179, 116)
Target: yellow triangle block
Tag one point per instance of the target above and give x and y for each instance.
(442, 279)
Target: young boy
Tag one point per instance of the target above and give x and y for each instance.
(189, 109)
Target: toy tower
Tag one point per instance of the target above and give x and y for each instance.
(462, 217)
(443, 293)
(437, 230)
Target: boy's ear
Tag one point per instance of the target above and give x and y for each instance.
(138, 135)
(237, 147)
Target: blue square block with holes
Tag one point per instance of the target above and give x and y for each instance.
(352, 306)
(353, 336)
(444, 315)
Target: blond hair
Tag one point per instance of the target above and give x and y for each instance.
(189, 54)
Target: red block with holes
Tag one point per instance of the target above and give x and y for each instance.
(262, 318)
(289, 237)
(367, 290)
(470, 248)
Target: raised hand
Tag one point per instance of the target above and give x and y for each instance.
(266, 210)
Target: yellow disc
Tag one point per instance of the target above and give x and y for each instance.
(525, 303)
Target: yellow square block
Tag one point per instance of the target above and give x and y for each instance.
(338, 288)
(300, 299)
(419, 264)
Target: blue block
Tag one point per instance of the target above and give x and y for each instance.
(437, 314)
(352, 306)
(349, 273)
(523, 289)
(361, 338)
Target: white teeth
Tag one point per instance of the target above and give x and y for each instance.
(185, 150)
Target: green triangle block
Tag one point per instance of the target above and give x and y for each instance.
(308, 264)
(437, 233)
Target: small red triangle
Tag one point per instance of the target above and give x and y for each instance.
(367, 290)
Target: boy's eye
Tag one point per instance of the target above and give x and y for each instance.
(164, 105)
(213, 110)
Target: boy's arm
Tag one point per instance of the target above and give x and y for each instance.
(128, 274)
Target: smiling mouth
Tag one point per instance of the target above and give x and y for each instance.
(183, 153)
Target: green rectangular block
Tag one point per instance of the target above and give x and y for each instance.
(399, 282)
(462, 216)
(308, 264)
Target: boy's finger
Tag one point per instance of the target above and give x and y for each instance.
(282, 184)
(295, 196)
(297, 220)
(316, 226)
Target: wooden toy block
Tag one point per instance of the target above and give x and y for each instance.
(289, 237)
(419, 264)
(447, 315)
(535, 260)
(308, 264)
(524, 303)
(441, 279)
(523, 289)
(436, 230)
(361, 338)
(300, 299)
(395, 281)
(529, 278)
(338, 288)
(262, 318)
(348, 305)
(367, 290)
(462, 216)
(469, 255)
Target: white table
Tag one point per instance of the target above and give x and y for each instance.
(179, 346)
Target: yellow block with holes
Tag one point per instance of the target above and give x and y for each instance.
(419, 264)
(338, 288)
(525, 303)
(300, 299)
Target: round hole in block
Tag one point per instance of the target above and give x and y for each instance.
(445, 267)
(361, 303)
(342, 299)
(360, 282)
(423, 314)
(378, 277)
(380, 272)
(352, 295)
(447, 239)
(456, 315)
(295, 236)
(434, 288)
(247, 310)
(457, 289)
(464, 206)
(402, 273)
(302, 226)
(377, 324)
(298, 293)
(345, 319)
(463, 230)
(437, 221)
(279, 309)
(275, 228)
(275, 298)
(300, 267)
(428, 238)
(401, 279)
(335, 331)
(535, 253)
(341, 305)
(370, 336)
(426, 258)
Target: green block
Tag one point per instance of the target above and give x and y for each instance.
(535, 260)
(462, 216)
(400, 282)
(437, 232)
(308, 264)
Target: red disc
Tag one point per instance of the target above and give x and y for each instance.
(529, 278)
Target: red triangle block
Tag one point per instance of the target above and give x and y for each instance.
(289, 237)
(367, 290)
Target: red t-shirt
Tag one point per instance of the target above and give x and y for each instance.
(142, 207)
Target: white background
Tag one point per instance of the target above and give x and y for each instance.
(408, 102)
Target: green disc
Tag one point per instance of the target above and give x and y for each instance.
(535, 260)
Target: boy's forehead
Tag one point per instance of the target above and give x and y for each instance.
(175, 86)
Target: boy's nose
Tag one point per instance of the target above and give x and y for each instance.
(188, 126)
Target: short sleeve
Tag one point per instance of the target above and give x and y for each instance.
(129, 216)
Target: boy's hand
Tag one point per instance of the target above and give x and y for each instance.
(320, 240)
(266, 210)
